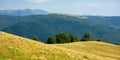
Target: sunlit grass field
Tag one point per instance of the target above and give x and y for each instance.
(18, 48)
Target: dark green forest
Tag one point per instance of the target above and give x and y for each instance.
(43, 26)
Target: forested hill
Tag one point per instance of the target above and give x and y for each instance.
(106, 28)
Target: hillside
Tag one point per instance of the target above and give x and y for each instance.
(106, 28)
(93, 47)
(18, 48)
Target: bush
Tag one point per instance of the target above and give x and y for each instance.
(35, 38)
(84, 39)
(99, 40)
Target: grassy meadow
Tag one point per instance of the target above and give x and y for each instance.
(14, 47)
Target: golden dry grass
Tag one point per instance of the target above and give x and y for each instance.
(105, 50)
(18, 48)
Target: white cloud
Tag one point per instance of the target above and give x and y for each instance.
(37, 1)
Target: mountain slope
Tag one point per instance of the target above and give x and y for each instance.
(22, 12)
(6, 21)
(93, 47)
(17, 48)
(106, 28)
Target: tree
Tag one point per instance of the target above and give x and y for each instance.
(85, 37)
(35, 38)
(73, 38)
(59, 39)
(51, 40)
(64, 37)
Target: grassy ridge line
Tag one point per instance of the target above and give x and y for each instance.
(18, 48)
(97, 48)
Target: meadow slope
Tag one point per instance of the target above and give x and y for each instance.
(13, 47)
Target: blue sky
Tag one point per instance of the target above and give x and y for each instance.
(77, 7)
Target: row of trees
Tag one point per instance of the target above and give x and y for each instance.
(63, 37)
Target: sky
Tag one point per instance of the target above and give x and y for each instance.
(76, 7)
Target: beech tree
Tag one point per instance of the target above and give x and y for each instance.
(51, 40)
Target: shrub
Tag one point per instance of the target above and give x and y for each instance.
(35, 38)
(99, 40)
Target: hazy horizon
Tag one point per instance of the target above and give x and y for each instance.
(76, 7)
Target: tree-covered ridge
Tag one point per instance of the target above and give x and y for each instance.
(43, 26)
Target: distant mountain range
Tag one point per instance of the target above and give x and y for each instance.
(24, 12)
(107, 28)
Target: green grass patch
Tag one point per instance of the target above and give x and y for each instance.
(3, 57)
